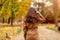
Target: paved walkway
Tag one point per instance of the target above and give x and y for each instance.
(44, 34)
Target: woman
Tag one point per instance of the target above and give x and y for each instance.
(31, 22)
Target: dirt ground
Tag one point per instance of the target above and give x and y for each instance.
(44, 34)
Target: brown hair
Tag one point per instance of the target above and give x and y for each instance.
(32, 16)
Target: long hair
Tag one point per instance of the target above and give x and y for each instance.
(32, 16)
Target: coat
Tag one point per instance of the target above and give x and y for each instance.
(31, 23)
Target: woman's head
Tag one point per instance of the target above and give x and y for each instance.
(34, 15)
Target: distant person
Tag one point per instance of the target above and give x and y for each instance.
(31, 22)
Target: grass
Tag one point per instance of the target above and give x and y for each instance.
(54, 29)
(49, 26)
(9, 31)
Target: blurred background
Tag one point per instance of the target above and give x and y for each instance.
(12, 13)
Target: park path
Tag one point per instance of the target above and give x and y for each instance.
(44, 34)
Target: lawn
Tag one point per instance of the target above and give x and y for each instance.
(6, 32)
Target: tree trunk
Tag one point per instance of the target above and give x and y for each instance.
(9, 20)
(12, 19)
(55, 2)
(3, 20)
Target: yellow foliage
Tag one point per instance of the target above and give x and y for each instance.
(18, 8)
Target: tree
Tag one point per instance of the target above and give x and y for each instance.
(11, 9)
(3, 11)
(2, 3)
(56, 11)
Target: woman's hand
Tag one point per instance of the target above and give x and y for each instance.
(41, 17)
